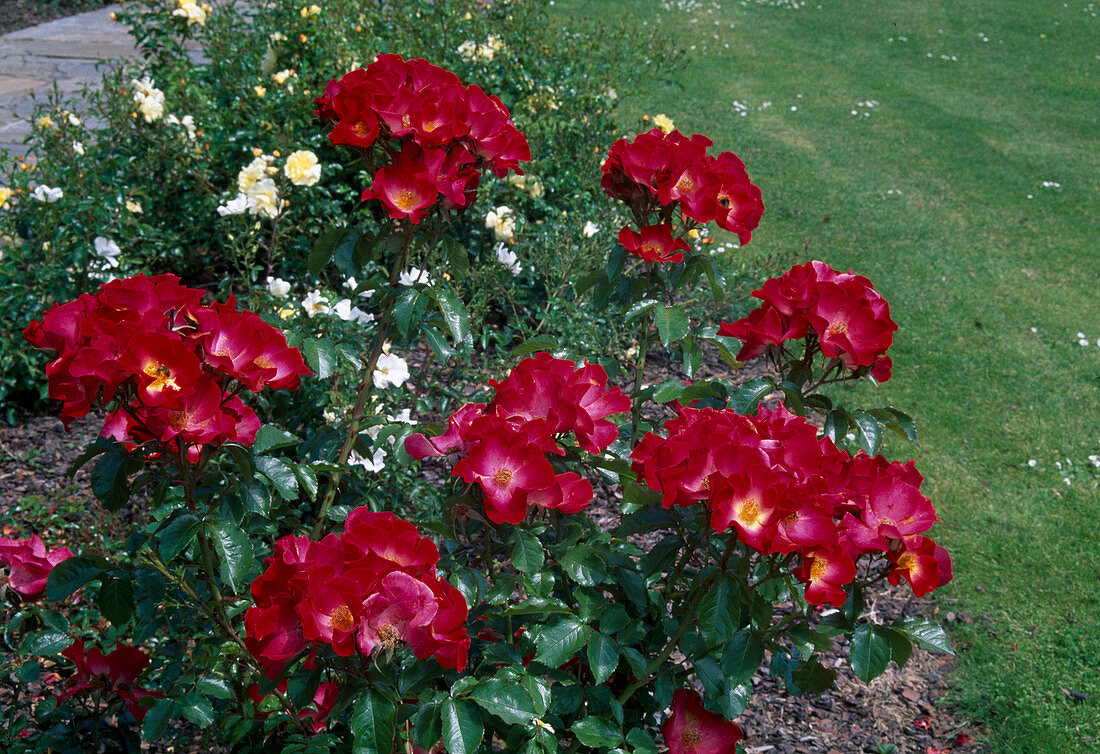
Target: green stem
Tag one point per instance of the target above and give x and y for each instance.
(657, 662)
(359, 408)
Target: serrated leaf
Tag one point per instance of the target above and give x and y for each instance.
(603, 656)
(156, 719)
(812, 677)
(271, 438)
(559, 641)
(870, 652)
(243, 459)
(742, 656)
(46, 643)
(68, 576)
(870, 431)
(505, 699)
(116, 600)
(320, 354)
(527, 554)
(307, 480)
(597, 732)
(532, 345)
(461, 725)
(110, 478)
(672, 323)
(178, 535)
(196, 708)
(719, 611)
(900, 646)
(458, 259)
(454, 314)
(638, 309)
(323, 248)
(373, 724)
(408, 309)
(280, 475)
(220, 688)
(925, 633)
(235, 552)
(746, 398)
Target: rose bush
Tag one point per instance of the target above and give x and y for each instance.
(267, 597)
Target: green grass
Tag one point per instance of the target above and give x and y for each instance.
(969, 264)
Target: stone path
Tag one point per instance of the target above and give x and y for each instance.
(64, 52)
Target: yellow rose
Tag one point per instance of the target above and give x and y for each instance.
(302, 168)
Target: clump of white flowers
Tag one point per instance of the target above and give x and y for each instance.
(485, 52)
(509, 259)
(257, 193)
(302, 168)
(192, 11)
(502, 221)
(47, 194)
(107, 250)
(528, 184)
(148, 98)
(278, 287)
(413, 276)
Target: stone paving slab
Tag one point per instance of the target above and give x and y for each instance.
(67, 53)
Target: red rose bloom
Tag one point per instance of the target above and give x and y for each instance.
(692, 729)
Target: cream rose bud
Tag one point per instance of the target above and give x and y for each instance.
(302, 168)
(47, 194)
(590, 229)
(664, 123)
(278, 287)
(390, 370)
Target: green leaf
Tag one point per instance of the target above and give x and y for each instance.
(438, 344)
(243, 459)
(639, 308)
(603, 656)
(307, 480)
(426, 727)
(116, 600)
(68, 576)
(323, 248)
(214, 686)
(870, 431)
(735, 699)
(156, 720)
(742, 656)
(693, 357)
(559, 641)
(178, 535)
(870, 652)
(408, 309)
(280, 474)
(672, 323)
(641, 741)
(596, 732)
(535, 344)
(373, 724)
(506, 699)
(458, 259)
(270, 438)
(320, 354)
(925, 633)
(47, 643)
(454, 314)
(747, 397)
(527, 554)
(109, 478)
(812, 677)
(462, 726)
(235, 551)
(196, 708)
(906, 424)
(719, 612)
(900, 646)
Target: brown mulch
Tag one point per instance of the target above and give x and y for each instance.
(19, 14)
(902, 708)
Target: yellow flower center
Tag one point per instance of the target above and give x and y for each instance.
(837, 328)
(818, 568)
(162, 377)
(387, 636)
(342, 619)
(750, 510)
(503, 476)
(691, 737)
(405, 199)
(362, 129)
(907, 561)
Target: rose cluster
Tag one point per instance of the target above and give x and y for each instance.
(850, 319)
(370, 588)
(436, 135)
(114, 674)
(28, 565)
(783, 490)
(503, 447)
(172, 363)
(658, 173)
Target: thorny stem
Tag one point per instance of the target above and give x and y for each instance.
(221, 619)
(639, 369)
(356, 415)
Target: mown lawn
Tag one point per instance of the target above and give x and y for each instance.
(937, 194)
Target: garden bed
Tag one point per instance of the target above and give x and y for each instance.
(19, 14)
